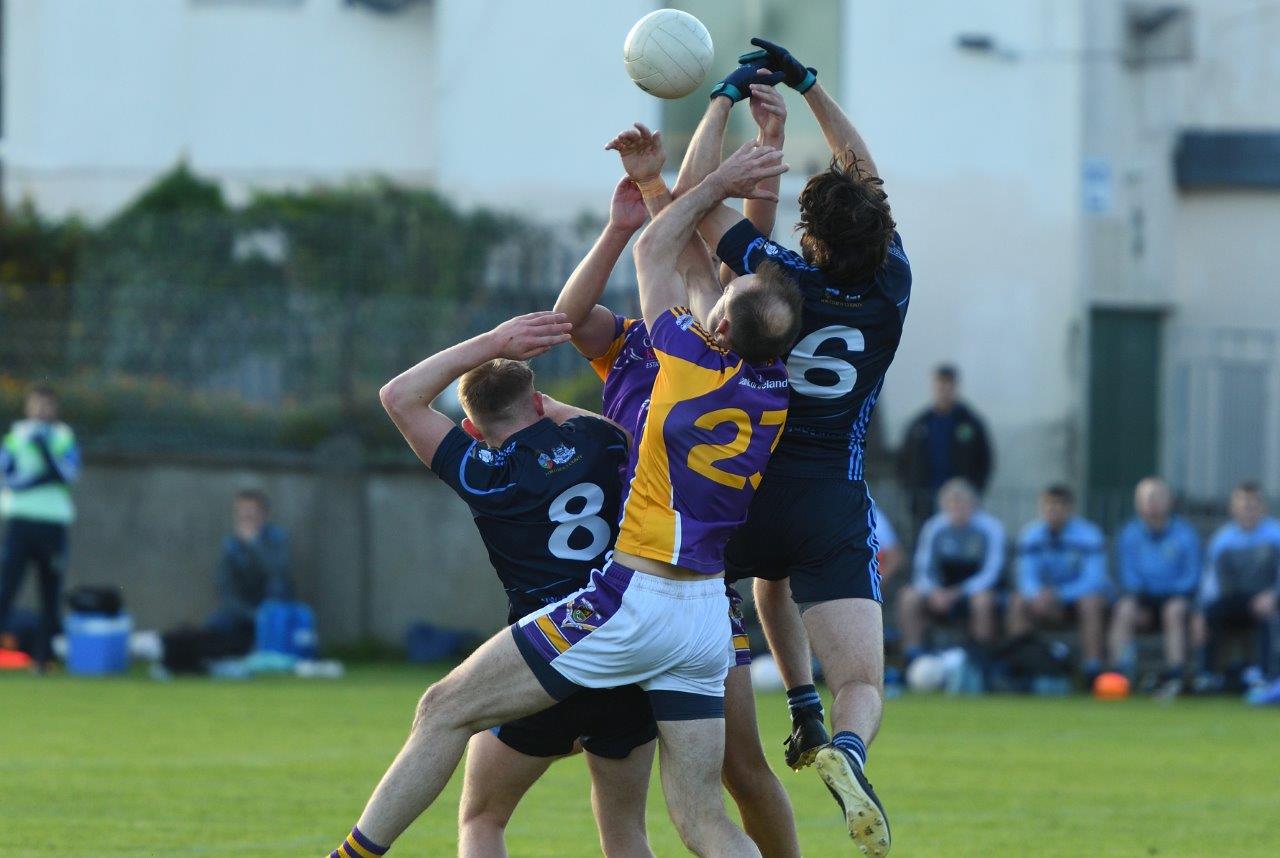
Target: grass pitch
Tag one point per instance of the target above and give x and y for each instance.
(282, 767)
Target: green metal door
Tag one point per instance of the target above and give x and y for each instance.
(1124, 407)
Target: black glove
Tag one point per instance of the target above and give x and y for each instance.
(737, 84)
(794, 72)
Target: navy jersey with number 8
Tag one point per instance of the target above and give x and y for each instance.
(545, 503)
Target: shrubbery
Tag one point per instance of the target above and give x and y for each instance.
(184, 322)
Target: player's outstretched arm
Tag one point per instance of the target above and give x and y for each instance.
(579, 299)
(841, 136)
(643, 158)
(661, 285)
(769, 110)
(704, 152)
(408, 397)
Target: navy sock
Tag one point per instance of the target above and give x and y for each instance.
(803, 697)
(852, 742)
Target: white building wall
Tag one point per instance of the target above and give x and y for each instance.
(527, 94)
(980, 159)
(101, 97)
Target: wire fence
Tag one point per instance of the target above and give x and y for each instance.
(214, 342)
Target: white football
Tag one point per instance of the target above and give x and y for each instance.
(765, 675)
(668, 53)
(927, 673)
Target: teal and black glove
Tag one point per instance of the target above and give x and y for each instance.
(794, 72)
(737, 84)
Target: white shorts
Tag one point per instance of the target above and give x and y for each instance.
(629, 627)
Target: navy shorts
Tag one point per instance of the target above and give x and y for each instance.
(818, 533)
(610, 722)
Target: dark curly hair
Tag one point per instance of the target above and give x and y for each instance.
(846, 222)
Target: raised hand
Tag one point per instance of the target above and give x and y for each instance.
(769, 110)
(530, 335)
(627, 210)
(736, 85)
(744, 170)
(641, 151)
(775, 56)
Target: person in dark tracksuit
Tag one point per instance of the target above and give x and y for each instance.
(39, 460)
(946, 440)
(254, 567)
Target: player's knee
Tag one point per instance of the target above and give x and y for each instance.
(433, 705)
(746, 772)
(1126, 612)
(1175, 612)
(695, 824)
(481, 815)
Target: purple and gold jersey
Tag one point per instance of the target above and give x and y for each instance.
(627, 369)
(702, 444)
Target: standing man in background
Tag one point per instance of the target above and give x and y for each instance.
(39, 460)
(946, 440)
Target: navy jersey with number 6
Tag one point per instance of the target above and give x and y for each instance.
(545, 503)
(849, 336)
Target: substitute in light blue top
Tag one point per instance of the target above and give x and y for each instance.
(1244, 554)
(959, 557)
(1062, 553)
(1062, 575)
(1157, 553)
(1158, 564)
(1241, 587)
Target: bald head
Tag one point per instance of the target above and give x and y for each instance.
(1153, 501)
(763, 312)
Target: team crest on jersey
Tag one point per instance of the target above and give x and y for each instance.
(578, 614)
(685, 321)
(560, 455)
(491, 457)
(831, 295)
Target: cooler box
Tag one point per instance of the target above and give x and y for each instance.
(97, 645)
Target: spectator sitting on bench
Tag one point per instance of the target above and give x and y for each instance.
(889, 548)
(255, 566)
(1062, 575)
(959, 555)
(1158, 566)
(1241, 578)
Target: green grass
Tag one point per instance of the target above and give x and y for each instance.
(278, 767)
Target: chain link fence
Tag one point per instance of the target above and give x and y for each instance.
(229, 343)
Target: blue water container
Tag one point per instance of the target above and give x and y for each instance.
(97, 645)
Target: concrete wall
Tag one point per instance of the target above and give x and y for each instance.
(373, 552)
